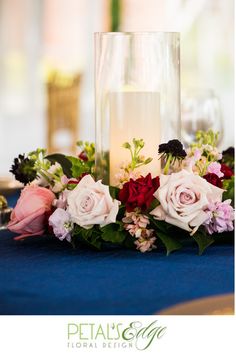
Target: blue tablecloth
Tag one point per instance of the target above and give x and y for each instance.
(42, 275)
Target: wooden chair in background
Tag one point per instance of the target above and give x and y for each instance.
(63, 112)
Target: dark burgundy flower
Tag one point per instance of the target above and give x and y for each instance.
(83, 156)
(229, 152)
(173, 147)
(139, 193)
(228, 157)
(226, 170)
(213, 179)
(23, 169)
(47, 214)
(73, 181)
(77, 180)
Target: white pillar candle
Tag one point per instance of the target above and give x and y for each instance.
(134, 114)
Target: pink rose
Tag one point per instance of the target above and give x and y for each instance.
(183, 198)
(30, 213)
(90, 203)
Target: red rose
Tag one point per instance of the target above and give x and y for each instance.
(213, 179)
(139, 193)
(226, 170)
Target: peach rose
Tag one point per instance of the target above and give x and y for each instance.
(183, 198)
(28, 218)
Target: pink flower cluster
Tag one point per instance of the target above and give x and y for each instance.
(61, 223)
(136, 224)
(220, 217)
(124, 176)
(215, 167)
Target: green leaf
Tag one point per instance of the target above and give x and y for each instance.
(114, 191)
(129, 241)
(159, 225)
(148, 160)
(121, 225)
(77, 167)
(203, 240)
(63, 161)
(109, 228)
(154, 204)
(170, 243)
(115, 226)
(113, 233)
(228, 184)
(86, 234)
(121, 212)
(126, 145)
(91, 237)
(114, 236)
(96, 241)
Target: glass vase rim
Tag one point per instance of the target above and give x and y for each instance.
(120, 33)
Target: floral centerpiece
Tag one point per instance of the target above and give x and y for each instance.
(192, 199)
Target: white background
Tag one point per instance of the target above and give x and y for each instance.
(184, 334)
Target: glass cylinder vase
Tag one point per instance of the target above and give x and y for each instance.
(137, 93)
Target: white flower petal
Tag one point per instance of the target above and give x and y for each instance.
(158, 213)
(111, 217)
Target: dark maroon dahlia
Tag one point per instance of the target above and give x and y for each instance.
(213, 179)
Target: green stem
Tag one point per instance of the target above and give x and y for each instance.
(131, 152)
(134, 159)
(167, 166)
(45, 176)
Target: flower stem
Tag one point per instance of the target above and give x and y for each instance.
(167, 165)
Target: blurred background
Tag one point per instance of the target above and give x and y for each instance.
(46, 66)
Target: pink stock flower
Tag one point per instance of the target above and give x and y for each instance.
(29, 216)
(61, 202)
(215, 167)
(138, 219)
(197, 154)
(137, 231)
(136, 224)
(192, 157)
(124, 176)
(61, 223)
(144, 245)
(220, 217)
(64, 179)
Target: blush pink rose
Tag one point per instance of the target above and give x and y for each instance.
(29, 216)
(183, 198)
(90, 203)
